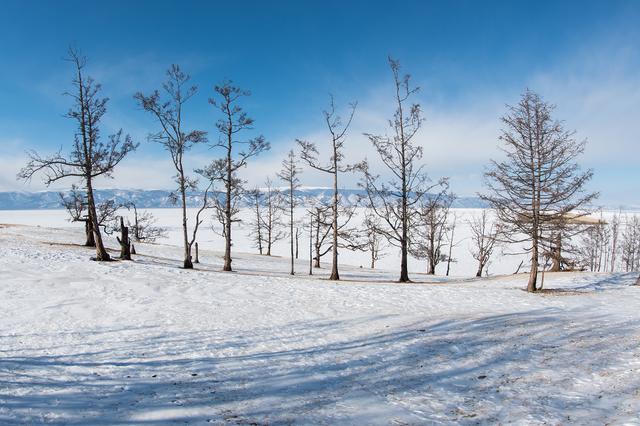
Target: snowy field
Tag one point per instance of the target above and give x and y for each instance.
(208, 238)
(147, 343)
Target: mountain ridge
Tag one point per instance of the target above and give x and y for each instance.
(160, 198)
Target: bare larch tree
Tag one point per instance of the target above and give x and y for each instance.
(175, 139)
(320, 228)
(431, 229)
(254, 197)
(309, 153)
(374, 240)
(452, 243)
(272, 222)
(234, 121)
(615, 233)
(395, 201)
(90, 156)
(290, 174)
(484, 236)
(539, 182)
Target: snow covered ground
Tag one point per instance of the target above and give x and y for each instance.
(147, 343)
(464, 265)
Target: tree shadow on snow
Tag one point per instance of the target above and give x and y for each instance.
(529, 366)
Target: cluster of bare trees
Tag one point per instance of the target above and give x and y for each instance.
(611, 245)
(538, 191)
(235, 151)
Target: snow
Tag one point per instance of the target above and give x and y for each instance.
(146, 342)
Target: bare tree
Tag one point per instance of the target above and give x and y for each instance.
(594, 248)
(75, 202)
(290, 173)
(431, 230)
(374, 240)
(615, 232)
(484, 236)
(255, 198)
(539, 182)
(144, 225)
(349, 237)
(271, 219)
(452, 243)
(234, 120)
(630, 244)
(90, 156)
(338, 130)
(396, 200)
(174, 138)
(321, 226)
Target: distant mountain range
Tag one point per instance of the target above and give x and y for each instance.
(158, 198)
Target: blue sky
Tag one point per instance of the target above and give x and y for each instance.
(469, 57)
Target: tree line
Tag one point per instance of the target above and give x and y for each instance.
(537, 191)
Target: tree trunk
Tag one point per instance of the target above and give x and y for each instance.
(133, 249)
(187, 264)
(311, 246)
(269, 240)
(101, 252)
(125, 244)
(431, 268)
(556, 255)
(533, 274)
(316, 259)
(297, 242)
(197, 259)
(638, 281)
(404, 269)
(480, 268)
(227, 211)
(453, 231)
(291, 227)
(91, 241)
(334, 263)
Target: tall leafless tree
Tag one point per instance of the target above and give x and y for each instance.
(335, 165)
(90, 156)
(452, 243)
(432, 229)
(539, 182)
(234, 120)
(290, 173)
(374, 240)
(484, 238)
(272, 222)
(175, 139)
(396, 200)
(321, 226)
(255, 198)
(615, 233)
